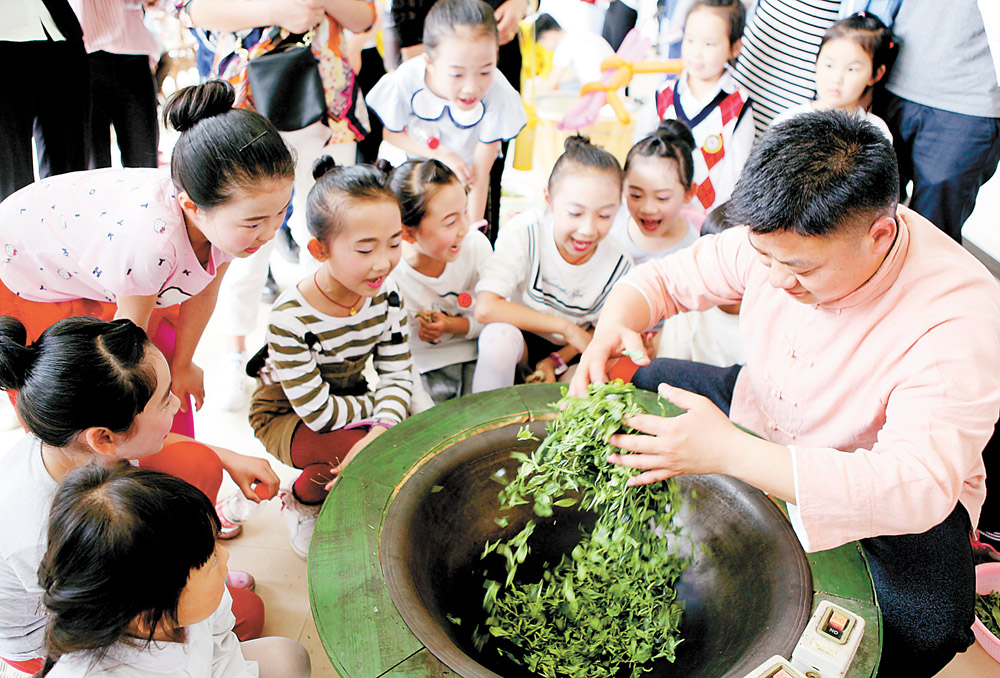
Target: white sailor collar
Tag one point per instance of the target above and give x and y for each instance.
(429, 106)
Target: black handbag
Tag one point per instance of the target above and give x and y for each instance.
(286, 87)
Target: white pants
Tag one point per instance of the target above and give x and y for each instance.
(277, 657)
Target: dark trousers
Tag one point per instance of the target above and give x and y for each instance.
(123, 94)
(46, 92)
(509, 64)
(372, 69)
(948, 156)
(925, 583)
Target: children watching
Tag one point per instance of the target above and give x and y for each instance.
(576, 55)
(89, 389)
(852, 59)
(707, 99)
(450, 103)
(313, 408)
(658, 184)
(437, 275)
(127, 243)
(546, 283)
(134, 583)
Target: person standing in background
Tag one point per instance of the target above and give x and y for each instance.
(45, 84)
(943, 106)
(120, 51)
(777, 64)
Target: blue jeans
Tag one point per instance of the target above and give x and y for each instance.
(947, 155)
(925, 583)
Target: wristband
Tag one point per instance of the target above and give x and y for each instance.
(560, 363)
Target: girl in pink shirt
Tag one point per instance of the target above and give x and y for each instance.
(131, 243)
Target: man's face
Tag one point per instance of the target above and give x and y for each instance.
(820, 269)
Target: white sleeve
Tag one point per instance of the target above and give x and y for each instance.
(737, 154)
(504, 116)
(227, 657)
(481, 253)
(510, 262)
(646, 120)
(390, 99)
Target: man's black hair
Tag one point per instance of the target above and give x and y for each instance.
(816, 174)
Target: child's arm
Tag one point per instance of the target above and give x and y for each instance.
(492, 308)
(413, 147)
(479, 185)
(194, 314)
(136, 309)
(244, 470)
(392, 362)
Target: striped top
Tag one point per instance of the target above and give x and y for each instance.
(307, 347)
(777, 64)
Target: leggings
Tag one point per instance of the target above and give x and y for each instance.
(316, 454)
(501, 349)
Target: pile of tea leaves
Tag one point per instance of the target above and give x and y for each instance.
(988, 611)
(611, 603)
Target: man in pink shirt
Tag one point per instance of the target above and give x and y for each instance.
(870, 340)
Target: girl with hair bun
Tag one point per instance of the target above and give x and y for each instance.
(541, 291)
(707, 98)
(134, 582)
(312, 408)
(91, 390)
(148, 246)
(659, 174)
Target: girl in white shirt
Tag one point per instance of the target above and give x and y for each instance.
(437, 274)
(135, 584)
(659, 173)
(547, 280)
(853, 57)
(451, 104)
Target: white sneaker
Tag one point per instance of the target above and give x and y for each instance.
(234, 382)
(301, 521)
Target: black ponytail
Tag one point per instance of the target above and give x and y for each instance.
(415, 182)
(672, 140)
(580, 154)
(81, 372)
(222, 149)
(337, 186)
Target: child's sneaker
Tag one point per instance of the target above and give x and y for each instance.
(233, 392)
(230, 528)
(238, 579)
(301, 521)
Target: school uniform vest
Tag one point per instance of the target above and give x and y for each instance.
(723, 113)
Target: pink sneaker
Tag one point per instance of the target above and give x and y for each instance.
(238, 579)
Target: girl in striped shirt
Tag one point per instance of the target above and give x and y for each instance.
(313, 409)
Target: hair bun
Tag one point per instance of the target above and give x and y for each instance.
(383, 166)
(190, 105)
(15, 357)
(323, 164)
(576, 141)
(671, 130)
